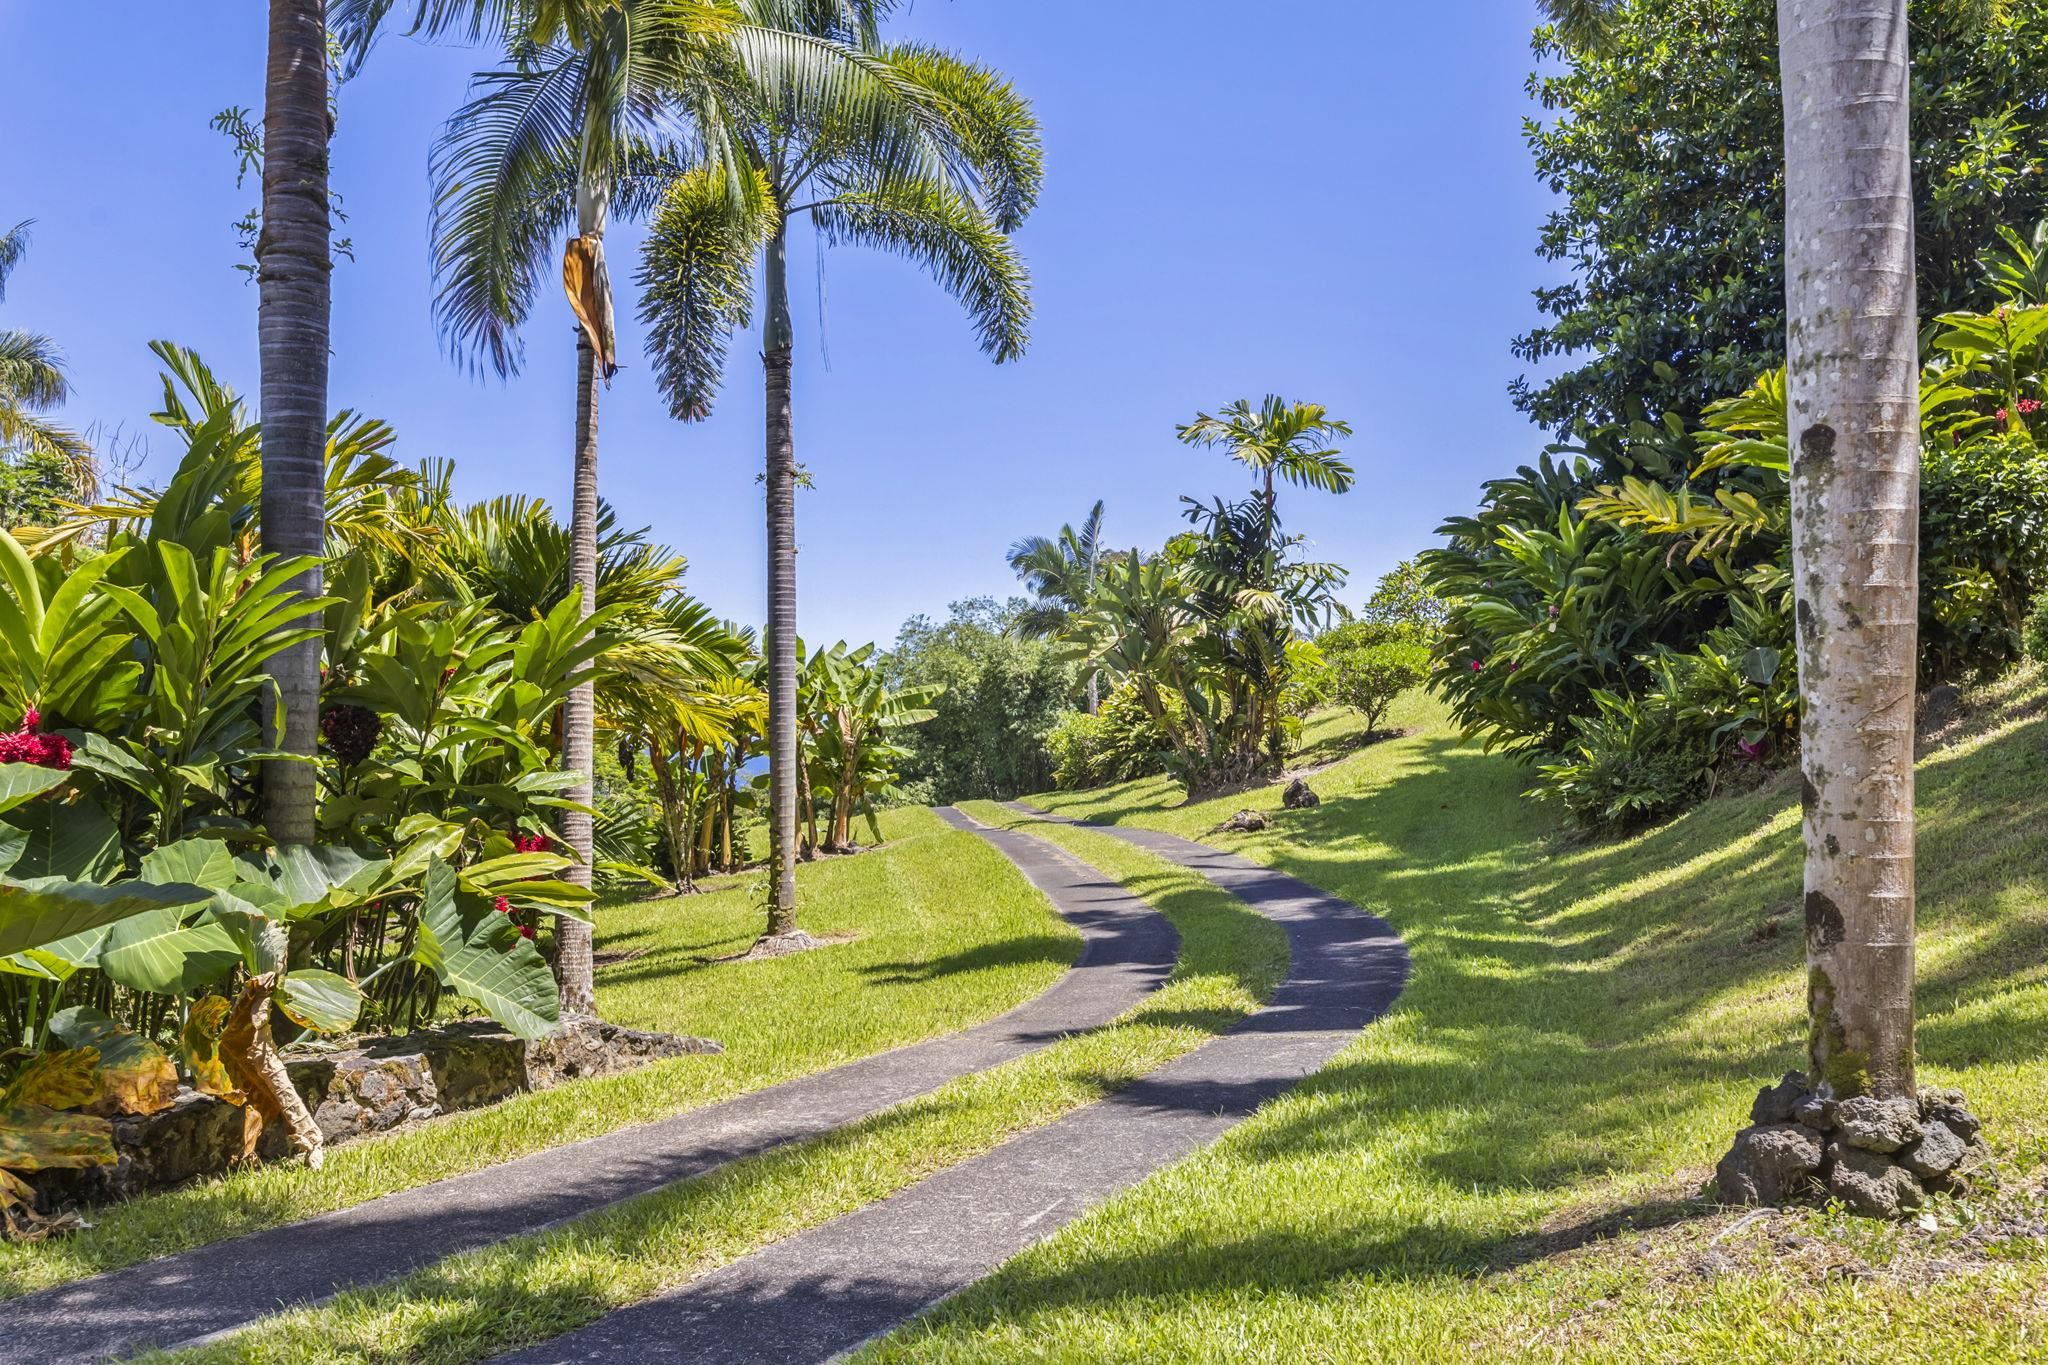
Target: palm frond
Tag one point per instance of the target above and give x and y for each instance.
(13, 246)
(993, 123)
(498, 172)
(952, 239)
(696, 280)
(31, 372)
(1582, 25)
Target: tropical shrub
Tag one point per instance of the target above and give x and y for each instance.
(1003, 691)
(1369, 679)
(1120, 741)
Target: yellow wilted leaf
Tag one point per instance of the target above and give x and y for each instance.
(15, 1193)
(36, 1138)
(583, 280)
(59, 1080)
(200, 1042)
(143, 1081)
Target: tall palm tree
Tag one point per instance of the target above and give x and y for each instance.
(293, 280)
(1290, 440)
(32, 384)
(603, 101)
(1852, 380)
(1061, 572)
(939, 168)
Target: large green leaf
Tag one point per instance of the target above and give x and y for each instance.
(478, 954)
(319, 1000)
(23, 782)
(202, 862)
(311, 878)
(75, 839)
(45, 909)
(58, 961)
(157, 951)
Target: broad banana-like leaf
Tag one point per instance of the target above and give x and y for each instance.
(479, 955)
(43, 910)
(202, 862)
(24, 782)
(64, 1079)
(319, 1000)
(135, 1077)
(59, 961)
(36, 1138)
(75, 839)
(311, 879)
(157, 951)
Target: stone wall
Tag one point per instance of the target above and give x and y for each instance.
(372, 1087)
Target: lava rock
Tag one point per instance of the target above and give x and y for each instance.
(1299, 795)
(1769, 1164)
(1946, 1108)
(1938, 1152)
(1776, 1103)
(1869, 1124)
(1871, 1183)
(1245, 822)
(1816, 1113)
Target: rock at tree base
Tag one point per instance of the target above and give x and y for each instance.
(1244, 822)
(1880, 1158)
(1771, 1163)
(1299, 795)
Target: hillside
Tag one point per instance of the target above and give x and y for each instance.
(1514, 1162)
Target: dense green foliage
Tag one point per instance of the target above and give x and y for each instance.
(1120, 741)
(1000, 696)
(1665, 145)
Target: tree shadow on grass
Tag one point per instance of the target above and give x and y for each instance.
(1028, 950)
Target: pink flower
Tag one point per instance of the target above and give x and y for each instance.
(1750, 749)
(2030, 405)
(526, 931)
(1477, 666)
(30, 719)
(502, 906)
(2001, 416)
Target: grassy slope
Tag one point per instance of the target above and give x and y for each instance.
(949, 934)
(1508, 1166)
(530, 1289)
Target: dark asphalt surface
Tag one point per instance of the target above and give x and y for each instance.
(823, 1292)
(1129, 950)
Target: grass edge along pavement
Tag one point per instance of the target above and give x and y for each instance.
(1510, 1165)
(1130, 948)
(918, 970)
(531, 1289)
(813, 1296)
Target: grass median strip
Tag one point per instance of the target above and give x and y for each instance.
(531, 1289)
(949, 934)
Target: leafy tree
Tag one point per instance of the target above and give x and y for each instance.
(1404, 601)
(1289, 440)
(1002, 694)
(1665, 148)
(1060, 571)
(1371, 678)
(913, 151)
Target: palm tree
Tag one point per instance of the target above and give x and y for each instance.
(293, 279)
(1061, 572)
(1291, 440)
(32, 384)
(938, 164)
(1853, 399)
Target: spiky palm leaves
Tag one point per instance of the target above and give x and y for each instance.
(32, 385)
(1292, 441)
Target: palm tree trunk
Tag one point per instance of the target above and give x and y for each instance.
(294, 271)
(1094, 692)
(575, 972)
(777, 345)
(1853, 389)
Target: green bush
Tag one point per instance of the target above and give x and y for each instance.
(1369, 679)
(1119, 742)
(1633, 760)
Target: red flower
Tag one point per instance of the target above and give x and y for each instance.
(2030, 405)
(30, 719)
(1477, 666)
(529, 843)
(26, 746)
(526, 931)
(502, 906)
(2001, 417)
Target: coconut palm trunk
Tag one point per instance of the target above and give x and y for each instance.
(293, 277)
(574, 968)
(1853, 389)
(776, 359)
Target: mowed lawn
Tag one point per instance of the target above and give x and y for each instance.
(948, 933)
(1511, 1166)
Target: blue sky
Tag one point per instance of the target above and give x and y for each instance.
(1329, 200)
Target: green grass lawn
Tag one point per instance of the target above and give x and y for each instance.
(486, 1302)
(1510, 1165)
(949, 934)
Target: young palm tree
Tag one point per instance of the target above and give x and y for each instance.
(1061, 572)
(32, 384)
(1291, 440)
(1853, 398)
(939, 169)
(293, 278)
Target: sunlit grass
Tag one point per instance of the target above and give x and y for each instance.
(530, 1289)
(1507, 1167)
(949, 934)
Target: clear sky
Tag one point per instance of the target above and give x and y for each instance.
(1322, 198)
